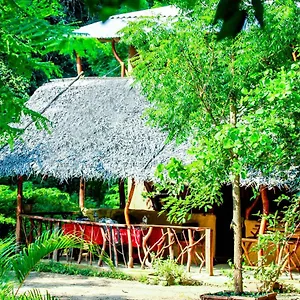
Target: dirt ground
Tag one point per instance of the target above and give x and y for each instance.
(91, 288)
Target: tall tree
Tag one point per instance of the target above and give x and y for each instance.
(26, 35)
(235, 101)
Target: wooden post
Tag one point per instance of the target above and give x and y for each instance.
(127, 220)
(55, 256)
(170, 241)
(81, 193)
(209, 252)
(126, 210)
(122, 193)
(18, 212)
(78, 64)
(117, 57)
(265, 212)
(190, 250)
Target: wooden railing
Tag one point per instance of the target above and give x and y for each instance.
(140, 242)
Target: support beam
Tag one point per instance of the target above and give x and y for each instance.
(265, 212)
(18, 212)
(127, 220)
(117, 57)
(126, 210)
(81, 193)
(78, 64)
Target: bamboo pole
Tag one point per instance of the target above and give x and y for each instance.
(78, 64)
(81, 193)
(18, 212)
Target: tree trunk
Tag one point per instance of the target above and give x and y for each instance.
(237, 235)
(236, 216)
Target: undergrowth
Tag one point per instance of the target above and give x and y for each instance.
(71, 269)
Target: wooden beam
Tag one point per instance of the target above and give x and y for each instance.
(250, 208)
(265, 212)
(126, 210)
(127, 220)
(19, 212)
(81, 193)
(78, 64)
(117, 57)
(209, 252)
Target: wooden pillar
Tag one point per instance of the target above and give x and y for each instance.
(126, 210)
(117, 57)
(81, 193)
(127, 220)
(171, 242)
(122, 193)
(265, 212)
(209, 251)
(18, 212)
(78, 64)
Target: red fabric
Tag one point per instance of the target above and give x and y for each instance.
(136, 236)
(93, 234)
(89, 233)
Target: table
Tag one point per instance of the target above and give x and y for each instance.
(116, 237)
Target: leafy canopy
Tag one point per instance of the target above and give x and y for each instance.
(194, 81)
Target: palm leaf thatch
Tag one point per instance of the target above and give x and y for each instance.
(96, 130)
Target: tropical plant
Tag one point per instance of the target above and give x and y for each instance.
(15, 267)
(27, 34)
(234, 101)
(281, 235)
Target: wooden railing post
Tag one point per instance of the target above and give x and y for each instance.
(170, 241)
(208, 252)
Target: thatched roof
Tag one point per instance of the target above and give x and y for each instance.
(96, 131)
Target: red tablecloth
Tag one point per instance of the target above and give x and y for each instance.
(92, 233)
(89, 233)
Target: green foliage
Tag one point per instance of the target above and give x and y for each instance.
(280, 232)
(16, 266)
(48, 199)
(169, 272)
(194, 82)
(71, 269)
(26, 35)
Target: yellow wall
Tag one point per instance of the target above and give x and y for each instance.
(138, 201)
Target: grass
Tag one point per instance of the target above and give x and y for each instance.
(71, 269)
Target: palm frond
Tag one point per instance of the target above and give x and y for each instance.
(36, 295)
(48, 242)
(7, 250)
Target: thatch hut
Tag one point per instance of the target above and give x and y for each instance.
(95, 130)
